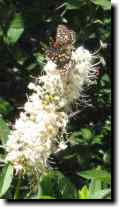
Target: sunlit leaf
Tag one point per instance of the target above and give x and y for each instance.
(83, 193)
(96, 191)
(105, 4)
(96, 174)
(5, 179)
(15, 30)
(100, 194)
(95, 186)
(4, 131)
(72, 4)
(86, 133)
(46, 197)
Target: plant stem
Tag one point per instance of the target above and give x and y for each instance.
(17, 189)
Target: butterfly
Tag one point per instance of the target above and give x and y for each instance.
(61, 50)
(65, 36)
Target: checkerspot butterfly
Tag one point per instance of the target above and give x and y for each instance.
(65, 36)
(61, 50)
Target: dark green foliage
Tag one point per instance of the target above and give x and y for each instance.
(56, 185)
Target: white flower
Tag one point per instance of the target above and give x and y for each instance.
(32, 86)
(81, 55)
(62, 145)
(50, 67)
(45, 113)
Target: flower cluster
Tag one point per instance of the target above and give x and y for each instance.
(45, 114)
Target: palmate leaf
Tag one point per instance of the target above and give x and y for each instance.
(15, 30)
(5, 179)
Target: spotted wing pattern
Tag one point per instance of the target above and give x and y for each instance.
(61, 50)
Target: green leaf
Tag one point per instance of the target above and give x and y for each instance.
(6, 179)
(100, 194)
(4, 131)
(97, 139)
(5, 107)
(96, 174)
(95, 186)
(107, 158)
(40, 58)
(105, 4)
(72, 4)
(76, 138)
(96, 191)
(56, 185)
(46, 197)
(86, 133)
(105, 77)
(83, 193)
(15, 30)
